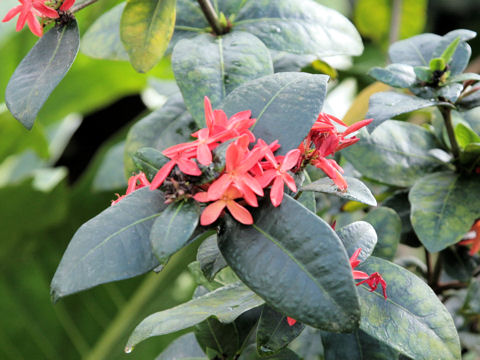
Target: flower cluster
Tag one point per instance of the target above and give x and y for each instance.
(323, 140)
(29, 10)
(371, 280)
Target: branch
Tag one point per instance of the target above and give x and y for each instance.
(447, 118)
(82, 6)
(211, 16)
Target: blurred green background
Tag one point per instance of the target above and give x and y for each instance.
(67, 169)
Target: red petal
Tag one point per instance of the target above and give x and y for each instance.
(249, 196)
(209, 118)
(162, 175)
(212, 212)
(220, 118)
(189, 167)
(290, 182)
(45, 10)
(231, 157)
(201, 196)
(34, 25)
(240, 213)
(219, 186)
(240, 116)
(12, 13)
(290, 160)
(291, 321)
(204, 155)
(251, 182)
(357, 126)
(359, 275)
(267, 178)
(276, 194)
(22, 19)
(67, 4)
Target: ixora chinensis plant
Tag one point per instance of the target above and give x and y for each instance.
(226, 166)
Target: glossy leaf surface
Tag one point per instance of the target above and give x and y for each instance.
(359, 234)
(282, 104)
(412, 320)
(210, 259)
(394, 153)
(213, 66)
(388, 226)
(396, 75)
(114, 245)
(356, 190)
(225, 303)
(40, 72)
(444, 207)
(290, 256)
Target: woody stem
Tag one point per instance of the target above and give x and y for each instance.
(447, 118)
(211, 16)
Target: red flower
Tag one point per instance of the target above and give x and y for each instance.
(473, 238)
(354, 262)
(213, 211)
(373, 282)
(67, 4)
(29, 10)
(135, 182)
(279, 174)
(291, 321)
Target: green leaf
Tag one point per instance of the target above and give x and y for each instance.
(210, 259)
(472, 300)
(184, 347)
(149, 160)
(290, 257)
(465, 135)
(213, 66)
(437, 64)
(458, 263)
(469, 102)
(174, 227)
(388, 104)
(471, 155)
(300, 27)
(464, 77)
(250, 353)
(308, 345)
(388, 226)
(102, 39)
(450, 92)
(356, 190)
(396, 75)
(444, 207)
(423, 73)
(461, 55)
(359, 234)
(307, 198)
(40, 72)
(282, 104)
(274, 333)
(358, 345)
(146, 27)
(449, 51)
(165, 127)
(394, 153)
(225, 303)
(412, 320)
(415, 51)
(110, 175)
(114, 245)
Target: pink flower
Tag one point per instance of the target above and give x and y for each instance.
(213, 211)
(29, 10)
(135, 182)
(279, 174)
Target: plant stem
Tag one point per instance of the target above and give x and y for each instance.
(428, 260)
(82, 6)
(396, 19)
(447, 118)
(211, 16)
(450, 285)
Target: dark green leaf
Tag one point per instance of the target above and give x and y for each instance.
(184, 347)
(356, 190)
(173, 228)
(471, 155)
(146, 27)
(225, 303)
(114, 245)
(388, 226)
(458, 263)
(290, 257)
(394, 153)
(412, 320)
(250, 353)
(358, 345)
(359, 234)
(469, 102)
(388, 104)
(415, 51)
(213, 66)
(307, 198)
(274, 333)
(396, 75)
(282, 104)
(110, 175)
(472, 300)
(149, 160)
(308, 345)
(210, 259)
(165, 127)
(102, 39)
(300, 27)
(444, 206)
(40, 72)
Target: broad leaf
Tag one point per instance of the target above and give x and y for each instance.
(210, 259)
(465, 135)
(415, 51)
(461, 56)
(40, 72)
(450, 92)
(149, 160)
(300, 27)
(472, 300)
(458, 264)
(184, 347)
(396, 75)
(388, 226)
(359, 234)
(102, 39)
(395, 153)
(388, 104)
(356, 190)
(307, 198)
(114, 245)
(225, 303)
(412, 320)
(358, 345)
(145, 29)
(444, 207)
(274, 333)
(110, 175)
(290, 257)
(282, 104)
(308, 345)
(173, 228)
(213, 66)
